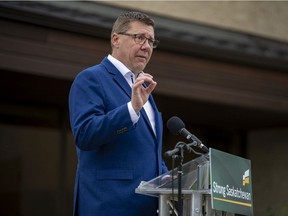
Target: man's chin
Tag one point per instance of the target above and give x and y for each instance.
(140, 67)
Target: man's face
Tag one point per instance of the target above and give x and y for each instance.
(132, 55)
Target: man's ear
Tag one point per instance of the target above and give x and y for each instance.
(115, 40)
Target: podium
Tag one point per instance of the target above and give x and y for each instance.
(201, 190)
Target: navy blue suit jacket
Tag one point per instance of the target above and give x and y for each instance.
(114, 155)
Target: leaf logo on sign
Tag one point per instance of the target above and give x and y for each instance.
(246, 177)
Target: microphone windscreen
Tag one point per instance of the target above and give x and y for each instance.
(175, 124)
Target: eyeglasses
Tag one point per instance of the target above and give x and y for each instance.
(141, 39)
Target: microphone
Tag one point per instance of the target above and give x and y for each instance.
(176, 126)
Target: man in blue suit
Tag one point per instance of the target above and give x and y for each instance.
(116, 125)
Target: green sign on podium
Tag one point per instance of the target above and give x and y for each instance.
(231, 183)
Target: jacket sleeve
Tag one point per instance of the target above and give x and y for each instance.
(92, 123)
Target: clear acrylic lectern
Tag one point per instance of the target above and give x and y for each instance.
(196, 193)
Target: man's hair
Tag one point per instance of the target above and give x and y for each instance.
(122, 23)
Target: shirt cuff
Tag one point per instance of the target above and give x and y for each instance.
(133, 115)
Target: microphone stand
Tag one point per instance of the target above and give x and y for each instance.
(180, 172)
(178, 153)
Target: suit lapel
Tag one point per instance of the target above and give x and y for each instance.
(121, 81)
(117, 76)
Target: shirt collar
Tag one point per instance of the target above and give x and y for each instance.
(119, 65)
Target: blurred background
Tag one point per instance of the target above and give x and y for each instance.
(222, 67)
